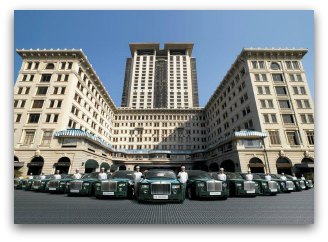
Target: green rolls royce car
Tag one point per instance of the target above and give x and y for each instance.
(59, 185)
(201, 185)
(238, 186)
(41, 185)
(28, 185)
(83, 186)
(285, 185)
(308, 184)
(160, 186)
(299, 184)
(265, 187)
(18, 182)
(119, 185)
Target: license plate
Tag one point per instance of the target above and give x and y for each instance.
(290, 188)
(108, 193)
(253, 191)
(215, 193)
(161, 197)
(52, 188)
(273, 190)
(75, 191)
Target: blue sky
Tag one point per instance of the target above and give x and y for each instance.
(218, 38)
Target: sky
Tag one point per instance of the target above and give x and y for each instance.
(218, 38)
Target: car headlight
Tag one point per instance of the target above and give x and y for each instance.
(200, 184)
(175, 186)
(86, 184)
(62, 183)
(68, 183)
(121, 185)
(256, 184)
(97, 184)
(144, 186)
(238, 185)
(224, 184)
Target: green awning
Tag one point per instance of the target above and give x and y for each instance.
(91, 164)
(105, 165)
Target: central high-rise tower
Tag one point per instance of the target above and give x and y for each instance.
(160, 78)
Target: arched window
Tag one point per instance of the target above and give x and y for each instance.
(50, 66)
(275, 66)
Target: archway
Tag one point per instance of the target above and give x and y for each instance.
(90, 166)
(35, 166)
(284, 165)
(306, 168)
(122, 168)
(213, 167)
(105, 165)
(228, 165)
(256, 165)
(63, 165)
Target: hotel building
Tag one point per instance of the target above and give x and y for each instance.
(260, 117)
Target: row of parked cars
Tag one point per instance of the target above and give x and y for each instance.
(164, 185)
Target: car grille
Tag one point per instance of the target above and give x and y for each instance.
(272, 185)
(76, 185)
(214, 186)
(302, 184)
(37, 183)
(53, 184)
(289, 184)
(161, 188)
(109, 186)
(310, 183)
(249, 186)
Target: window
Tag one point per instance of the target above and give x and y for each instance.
(277, 77)
(289, 65)
(18, 118)
(31, 78)
(56, 118)
(281, 91)
(50, 66)
(299, 78)
(20, 90)
(266, 118)
(27, 90)
(307, 118)
(47, 134)
(42, 91)
(296, 65)
(266, 103)
(303, 103)
(310, 137)
(29, 66)
(284, 104)
(288, 118)
(24, 78)
(275, 66)
(45, 78)
(37, 103)
(257, 77)
(34, 118)
(261, 64)
(36, 66)
(292, 138)
(29, 136)
(254, 64)
(273, 118)
(264, 77)
(292, 77)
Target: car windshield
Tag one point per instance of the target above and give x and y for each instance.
(276, 176)
(198, 175)
(234, 175)
(214, 175)
(160, 174)
(123, 174)
(256, 176)
(68, 176)
(91, 175)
